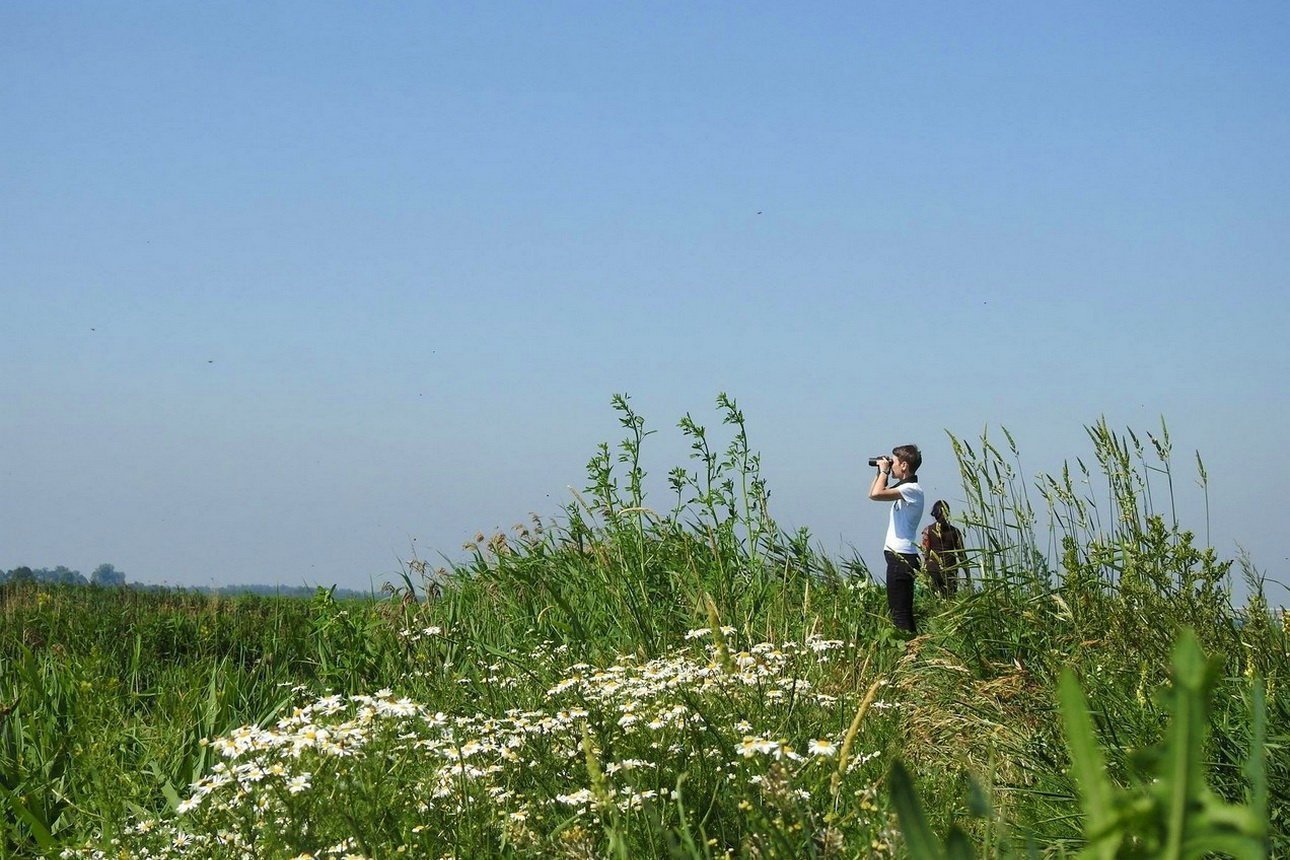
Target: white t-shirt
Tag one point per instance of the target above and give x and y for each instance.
(902, 527)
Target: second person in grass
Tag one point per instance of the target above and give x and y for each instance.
(900, 548)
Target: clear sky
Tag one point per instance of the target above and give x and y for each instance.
(291, 289)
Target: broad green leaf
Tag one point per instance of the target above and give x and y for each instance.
(1182, 780)
(958, 846)
(1089, 769)
(1255, 763)
(39, 828)
(922, 843)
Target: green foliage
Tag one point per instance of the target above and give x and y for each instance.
(1169, 812)
(692, 681)
(919, 838)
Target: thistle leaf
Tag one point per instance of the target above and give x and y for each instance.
(1089, 770)
(922, 843)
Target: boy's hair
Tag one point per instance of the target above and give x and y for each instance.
(910, 454)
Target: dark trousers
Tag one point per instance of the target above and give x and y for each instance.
(946, 582)
(900, 588)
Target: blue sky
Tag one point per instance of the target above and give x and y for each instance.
(292, 288)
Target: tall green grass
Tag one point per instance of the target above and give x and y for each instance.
(671, 678)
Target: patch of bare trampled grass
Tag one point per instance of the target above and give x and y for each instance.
(955, 721)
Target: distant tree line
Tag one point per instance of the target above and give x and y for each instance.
(104, 576)
(107, 576)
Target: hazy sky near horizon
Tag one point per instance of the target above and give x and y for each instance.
(293, 291)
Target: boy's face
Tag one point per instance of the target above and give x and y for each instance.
(899, 468)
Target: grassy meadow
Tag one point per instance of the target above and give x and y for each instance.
(676, 677)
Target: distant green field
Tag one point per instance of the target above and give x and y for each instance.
(676, 680)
